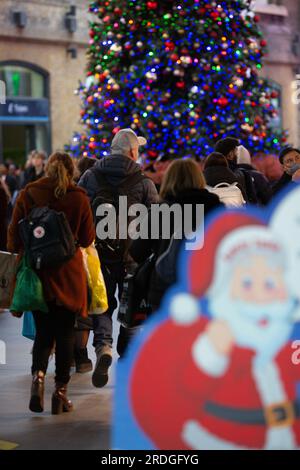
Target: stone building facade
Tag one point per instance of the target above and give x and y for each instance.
(42, 57)
(280, 21)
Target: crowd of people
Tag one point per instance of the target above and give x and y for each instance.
(226, 178)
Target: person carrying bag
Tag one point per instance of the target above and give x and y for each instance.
(52, 217)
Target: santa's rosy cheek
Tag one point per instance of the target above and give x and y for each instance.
(280, 294)
(273, 291)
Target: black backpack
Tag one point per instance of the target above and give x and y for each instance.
(113, 250)
(47, 237)
(134, 306)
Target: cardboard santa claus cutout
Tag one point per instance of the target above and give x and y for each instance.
(216, 371)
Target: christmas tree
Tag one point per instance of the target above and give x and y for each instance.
(183, 74)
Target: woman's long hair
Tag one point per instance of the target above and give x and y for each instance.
(60, 168)
(181, 175)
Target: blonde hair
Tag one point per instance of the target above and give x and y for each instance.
(181, 175)
(60, 168)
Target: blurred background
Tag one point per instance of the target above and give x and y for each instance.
(42, 58)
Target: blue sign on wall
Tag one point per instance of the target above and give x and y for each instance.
(24, 110)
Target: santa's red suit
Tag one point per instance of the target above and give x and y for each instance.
(183, 401)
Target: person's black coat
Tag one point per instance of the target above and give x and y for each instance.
(282, 183)
(3, 218)
(221, 174)
(141, 249)
(262, 187)
(30, 176)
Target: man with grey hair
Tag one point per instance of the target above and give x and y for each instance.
(118, 174)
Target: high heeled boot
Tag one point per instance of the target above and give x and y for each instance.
(36, 403)
(60, 401)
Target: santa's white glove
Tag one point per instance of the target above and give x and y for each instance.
(211, 350)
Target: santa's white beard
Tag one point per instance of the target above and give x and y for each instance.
(244, 321)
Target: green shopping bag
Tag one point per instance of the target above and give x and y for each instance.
(28, 293)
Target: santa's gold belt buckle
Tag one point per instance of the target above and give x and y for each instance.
(280, 414)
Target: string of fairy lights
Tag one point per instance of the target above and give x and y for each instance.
(184, 74)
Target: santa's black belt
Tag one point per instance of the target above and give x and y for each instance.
(279, 414)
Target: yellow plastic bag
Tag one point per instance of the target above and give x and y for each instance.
(96, 282)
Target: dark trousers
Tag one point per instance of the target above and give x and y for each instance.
(114, 277)
(54, 328)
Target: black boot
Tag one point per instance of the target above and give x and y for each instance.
(60, 401)
(83, 363)
(37, 392)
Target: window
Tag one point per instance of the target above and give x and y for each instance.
(22, 82)
(276, 102)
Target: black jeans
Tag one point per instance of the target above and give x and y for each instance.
(54, 328)
(102, 324)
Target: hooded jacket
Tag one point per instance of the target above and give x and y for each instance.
(116, 168)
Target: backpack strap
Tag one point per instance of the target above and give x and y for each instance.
(222, 185)
(31, 202)
(133, 180)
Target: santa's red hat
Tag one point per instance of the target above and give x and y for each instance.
(201, 263)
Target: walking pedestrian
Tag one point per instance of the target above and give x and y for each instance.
(64, 286)
(114, 175)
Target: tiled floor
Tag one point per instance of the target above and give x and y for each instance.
(88, 427)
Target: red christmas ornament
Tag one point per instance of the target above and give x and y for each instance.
(152, 153)
(170, 45)
(152, 5)
(214, 15)
(223, 102)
